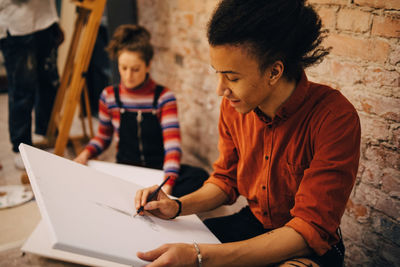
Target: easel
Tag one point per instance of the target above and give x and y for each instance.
(73, 78)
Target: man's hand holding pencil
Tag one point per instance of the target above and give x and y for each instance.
(156, 202)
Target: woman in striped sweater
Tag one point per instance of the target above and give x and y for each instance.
(142, 114)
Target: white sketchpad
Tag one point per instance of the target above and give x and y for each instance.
(87, 212)
(39, 243)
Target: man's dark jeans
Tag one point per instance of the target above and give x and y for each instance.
(33, 80)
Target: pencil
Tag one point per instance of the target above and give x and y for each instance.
(152, 195)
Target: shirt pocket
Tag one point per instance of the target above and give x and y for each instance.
(294, 175)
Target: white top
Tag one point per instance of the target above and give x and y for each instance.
(22, 17)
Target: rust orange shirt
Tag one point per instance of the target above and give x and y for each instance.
(297, 169)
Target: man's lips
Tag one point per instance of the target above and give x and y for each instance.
(234, 102)
(232, 99)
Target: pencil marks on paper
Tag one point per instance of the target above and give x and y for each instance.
(144, 218)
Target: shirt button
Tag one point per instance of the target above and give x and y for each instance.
(266, 157)
(265, 213)
(263, 187)
(270, 126)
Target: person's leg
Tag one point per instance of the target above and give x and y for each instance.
(48, 77)
(190, 179)
(239, 226)
(20, 66)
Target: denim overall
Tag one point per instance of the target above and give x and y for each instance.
(140, 135)
(141, 144)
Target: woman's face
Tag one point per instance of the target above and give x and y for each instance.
(132, 68)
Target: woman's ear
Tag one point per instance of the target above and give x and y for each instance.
(276, 72)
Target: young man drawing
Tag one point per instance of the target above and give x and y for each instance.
(290, 146)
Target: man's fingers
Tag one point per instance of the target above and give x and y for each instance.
(152, 254)
(153, 205)
(143, 195)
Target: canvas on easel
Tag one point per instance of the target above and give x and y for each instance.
(89, 212)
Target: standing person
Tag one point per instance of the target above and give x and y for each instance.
(290, 146)
(143, 115)
(29, 38)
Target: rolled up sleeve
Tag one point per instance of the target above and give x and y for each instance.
(326, 185)
(225, 168)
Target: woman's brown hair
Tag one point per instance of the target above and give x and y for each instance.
(132, 38)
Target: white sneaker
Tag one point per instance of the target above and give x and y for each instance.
(19, 164)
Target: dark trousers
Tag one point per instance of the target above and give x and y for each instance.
(190, 179)
(244, 225)
(33, 80)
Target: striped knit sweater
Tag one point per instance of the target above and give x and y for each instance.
(134, 100)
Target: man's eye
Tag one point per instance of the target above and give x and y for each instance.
(232, 79)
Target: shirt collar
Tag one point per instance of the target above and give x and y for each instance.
(291, 105)
(295, 100)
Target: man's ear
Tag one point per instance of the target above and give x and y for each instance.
(276, 72)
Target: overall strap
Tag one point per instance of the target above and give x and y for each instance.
(157, 94)
(116, 95)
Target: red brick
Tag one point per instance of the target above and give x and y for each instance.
(346, 72)
(374, 128)
(388, 228)
(386, 107)
(321, 70)
(396, 136)
(376, 76)
(210, 5)
(394, 57)
(351, 229)
(328, 16)
(370, 239)
(357, 210)
(353, 47)
(356, 255)
(386, 4)
(391, 182)
(386, 26)
(389, 206)
(333, 2)
(372, 173)
(190, 5)
(383, 157)
(189, 18)
(367, 195)
(353, 20)
(390, 253)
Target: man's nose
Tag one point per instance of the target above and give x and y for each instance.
(222, 89)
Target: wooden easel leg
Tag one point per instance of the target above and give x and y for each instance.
(83, 44)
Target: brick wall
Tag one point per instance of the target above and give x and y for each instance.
(364, 65)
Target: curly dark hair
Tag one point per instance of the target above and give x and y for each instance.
(132, 38)
(271, 30)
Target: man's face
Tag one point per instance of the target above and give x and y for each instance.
(240, 80)
(132, 68)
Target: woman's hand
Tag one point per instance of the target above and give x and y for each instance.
(83, 157)
(161, 206)
(171, 255)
